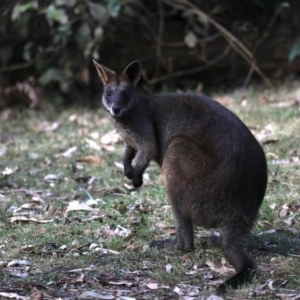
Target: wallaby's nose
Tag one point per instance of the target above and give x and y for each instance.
(116, 110)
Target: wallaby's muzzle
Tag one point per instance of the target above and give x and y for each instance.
(116, 110)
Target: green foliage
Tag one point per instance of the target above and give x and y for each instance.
(55, 41)
(59, 40)
(295, 51)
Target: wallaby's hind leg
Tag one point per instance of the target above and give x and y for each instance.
(234, 244)
(177, 175)
(184, 235)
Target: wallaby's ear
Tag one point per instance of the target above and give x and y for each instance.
(133, 72)
(103, 72)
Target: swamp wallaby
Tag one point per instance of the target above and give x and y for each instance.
(213, 169)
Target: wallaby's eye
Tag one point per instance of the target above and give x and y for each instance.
(108, 94)
(126, 95)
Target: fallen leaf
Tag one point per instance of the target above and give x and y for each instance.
(289, 221)
(293, 230)
(78, 205)
(91, 159)
(270, 141)
(122, 282)
(266, 268)
(287, 296)
(104, 251)
(171, 230)
(18, 262)
(95, 295)
(119, 165)
(214, 297)
(68, 153)
(25, 219)
(18, 273)
(221, 269)
(178, 291)
(263, 99)
(109, 148)
(9, 171)
(3, 263)
(169, 268)
(111, 137)
(283, 213)
(292, 102)
(3, 151)
(224, 100)
(92, 144)
(295, 206)
(152, 285)
(14, 296)
(51, 177)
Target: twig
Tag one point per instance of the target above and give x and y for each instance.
(189, 71)
(267, 32)
(260, 40)
(181, 44)
(237, 45)
(80, 247)
(160, 28)
(159, 35)
(249, 76)
(29, 63)
(144, 22)
(21, 190)
(19, 66)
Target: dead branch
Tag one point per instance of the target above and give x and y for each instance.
(189, 71)
(236, 44)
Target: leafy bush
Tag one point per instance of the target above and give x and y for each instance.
(54, 43)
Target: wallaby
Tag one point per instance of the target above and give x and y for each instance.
(214, 170)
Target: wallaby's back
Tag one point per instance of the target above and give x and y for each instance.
(224, 153)
(214, 170)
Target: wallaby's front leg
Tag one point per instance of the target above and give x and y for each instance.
(141, 162)
(127, 161)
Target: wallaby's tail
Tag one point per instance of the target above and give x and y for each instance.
(234, 243)
(238, 279)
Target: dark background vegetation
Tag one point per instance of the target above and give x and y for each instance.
(46, 47)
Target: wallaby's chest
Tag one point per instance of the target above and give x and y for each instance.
(127, 134)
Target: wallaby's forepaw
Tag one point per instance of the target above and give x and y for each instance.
(137, 181)
(128, 171)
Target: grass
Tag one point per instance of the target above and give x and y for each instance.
(39, 180)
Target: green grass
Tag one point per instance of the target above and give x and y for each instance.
(31, 145)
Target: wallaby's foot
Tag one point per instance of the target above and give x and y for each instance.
(211, 239)
(170, 243)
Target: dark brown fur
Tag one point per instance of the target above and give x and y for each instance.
(214, 170)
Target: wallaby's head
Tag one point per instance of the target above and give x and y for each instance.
(119, 93)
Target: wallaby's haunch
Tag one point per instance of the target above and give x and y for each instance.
(213, 169)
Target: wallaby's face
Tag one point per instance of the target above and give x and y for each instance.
(119, 93)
